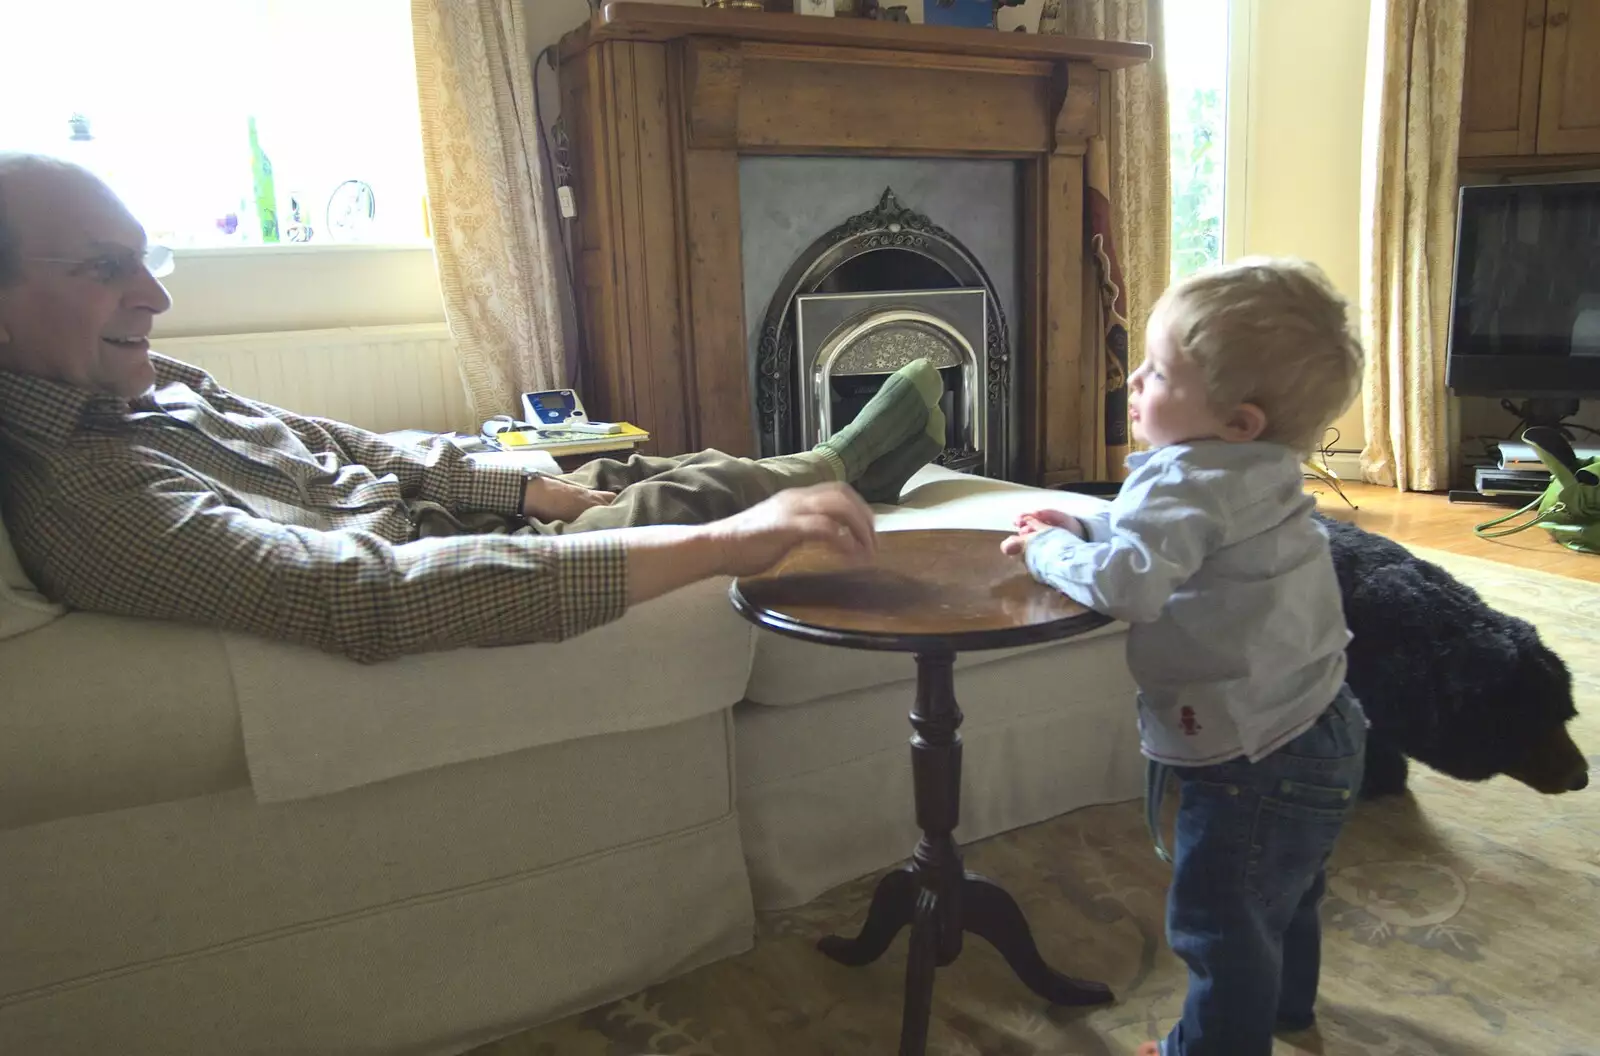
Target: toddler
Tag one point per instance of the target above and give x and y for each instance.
(1238, 635)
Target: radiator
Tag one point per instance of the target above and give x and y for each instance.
(378, 377)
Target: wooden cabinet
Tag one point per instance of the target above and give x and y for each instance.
(1532, 84)
(1569, 93)
(1500, 97)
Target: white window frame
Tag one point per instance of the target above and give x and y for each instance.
(270, 289)
(1236, 167)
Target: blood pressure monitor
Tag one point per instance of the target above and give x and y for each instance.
(554, 407)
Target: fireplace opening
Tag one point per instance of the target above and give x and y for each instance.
(888, 269)
(885, 272)
(850, 393)
(882, 289)
(850, 342)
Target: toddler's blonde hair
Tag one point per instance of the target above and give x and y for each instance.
(1271, 331)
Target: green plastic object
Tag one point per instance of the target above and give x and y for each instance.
(266, 192)
(1569, 509)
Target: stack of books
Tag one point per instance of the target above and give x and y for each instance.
(559, 442)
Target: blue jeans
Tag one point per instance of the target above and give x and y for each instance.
(1248, 875)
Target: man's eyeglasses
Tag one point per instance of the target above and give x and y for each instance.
(112, 268)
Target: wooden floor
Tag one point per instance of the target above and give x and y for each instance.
(1433, 521)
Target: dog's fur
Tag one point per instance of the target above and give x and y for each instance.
(1444, 678)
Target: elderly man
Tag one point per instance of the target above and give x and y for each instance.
(134, 484)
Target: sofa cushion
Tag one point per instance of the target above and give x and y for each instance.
(106, 712)
(187, 921)
(787, 671)
(667, 660)
(22, 607)
(103, 712)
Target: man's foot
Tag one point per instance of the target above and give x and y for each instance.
(884, 479)
(899, 412)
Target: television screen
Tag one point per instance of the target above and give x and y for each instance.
(1525, 312)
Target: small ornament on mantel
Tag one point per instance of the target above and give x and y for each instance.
(968, 14)
(821, 8)
(878, 12)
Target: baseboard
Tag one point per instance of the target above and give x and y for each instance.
(1346, 465)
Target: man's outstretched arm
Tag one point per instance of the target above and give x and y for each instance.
(146, 540)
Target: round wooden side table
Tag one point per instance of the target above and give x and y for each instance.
(934, 594)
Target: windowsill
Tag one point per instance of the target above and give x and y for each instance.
(288, 249)
(300, 286)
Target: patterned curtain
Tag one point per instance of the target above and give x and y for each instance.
(489, 198)
(1416, 59)
(1129, 179)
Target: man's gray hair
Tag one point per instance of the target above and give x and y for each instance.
(10, 250)
(12, 163)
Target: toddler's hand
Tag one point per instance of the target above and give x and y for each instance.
(1039, 520)
(1031, 524)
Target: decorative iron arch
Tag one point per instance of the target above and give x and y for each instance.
(889, 225)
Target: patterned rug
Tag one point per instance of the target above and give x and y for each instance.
(1463, 920)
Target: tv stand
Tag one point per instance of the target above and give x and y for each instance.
(1551, 412)
(1548, 411)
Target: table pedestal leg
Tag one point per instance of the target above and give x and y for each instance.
(934, 893)
(992, 914)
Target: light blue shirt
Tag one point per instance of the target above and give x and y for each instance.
(1238, 634)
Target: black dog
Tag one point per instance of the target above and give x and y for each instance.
(1444, 678)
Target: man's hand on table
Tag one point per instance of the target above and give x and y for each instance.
(1029, 525)
(833, 514)
(664, 558)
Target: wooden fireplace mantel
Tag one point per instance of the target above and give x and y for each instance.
(660, 101)
(659, 23)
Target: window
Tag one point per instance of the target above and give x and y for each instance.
(1197, 81)
(161, 99)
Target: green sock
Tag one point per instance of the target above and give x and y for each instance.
(884, 479)
(898, 412)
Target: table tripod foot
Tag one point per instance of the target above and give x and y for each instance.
(893, 904)
(921, 963)
(989, 912)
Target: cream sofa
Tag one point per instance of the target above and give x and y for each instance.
(210, 844)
